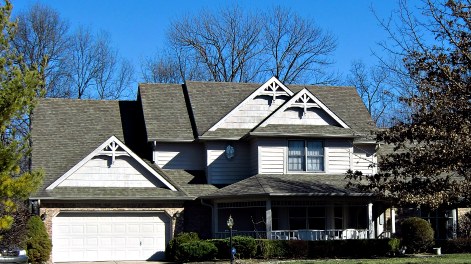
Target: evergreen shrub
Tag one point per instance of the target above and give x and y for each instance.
(38, 243)
(176, 242)
(195, 251)
(417, 235)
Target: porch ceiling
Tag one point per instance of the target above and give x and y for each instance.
(288, 185)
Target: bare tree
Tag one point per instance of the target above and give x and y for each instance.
(226, 43)
(373, 87)
(43, 35)
(296, 48)
(113, 76)
(94, 69)
(234, 45)
(161, 69)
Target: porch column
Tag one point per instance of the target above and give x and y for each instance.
(454, 219)
(371, 225)
(393, 220)
(268, 218)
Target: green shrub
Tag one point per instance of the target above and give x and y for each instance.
(175, 243)
(246, 247)
(459, 245)
(394, 245)
(223, 248)
(195, 251)
(417, 234)
(38, 244)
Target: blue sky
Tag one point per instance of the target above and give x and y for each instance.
(138, 28)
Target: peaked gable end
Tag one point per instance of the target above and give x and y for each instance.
(256, 107)
(112, 164)
(304, 109)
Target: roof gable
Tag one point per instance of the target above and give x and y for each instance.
(304, 109)
(112, 148)
(256, 107)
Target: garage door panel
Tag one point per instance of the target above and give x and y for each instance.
(108, 236)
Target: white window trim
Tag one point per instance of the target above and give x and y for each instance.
(287, 171)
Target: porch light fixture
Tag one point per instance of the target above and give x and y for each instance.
(230, 224)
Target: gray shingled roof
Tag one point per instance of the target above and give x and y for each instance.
(168, 117)
(211, 101)
(65, 131)
(345, 102)
(288, 185)
(87, 193)
(165, 112)
(192, 182)
(303, 130)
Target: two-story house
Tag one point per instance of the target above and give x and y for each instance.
(122, 177)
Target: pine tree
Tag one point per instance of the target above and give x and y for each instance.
(19, 87)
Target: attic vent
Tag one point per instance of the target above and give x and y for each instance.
(113, 150)
(305, 102)
(274, 90)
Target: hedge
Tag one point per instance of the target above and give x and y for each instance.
(458, 245)
(188, 247)
(299, 249)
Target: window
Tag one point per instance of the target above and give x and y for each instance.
(305, 155)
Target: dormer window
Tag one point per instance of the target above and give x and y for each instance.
(305, 155)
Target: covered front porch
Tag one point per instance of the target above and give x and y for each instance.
(308, 219)
(300, 206)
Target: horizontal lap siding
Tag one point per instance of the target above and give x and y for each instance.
(294, 116)
(252, 113)
(97, 172)
(184, 156)
(338, 155)
(272, 156)
(222, 170)
(363, 157)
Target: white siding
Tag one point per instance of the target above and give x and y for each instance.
(338, 155)
(294, 116)
(222, 170)
(272, 156)
(184, 156)
(363, 157)
(253, 112)
(125, 172)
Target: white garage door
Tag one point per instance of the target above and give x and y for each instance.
(79, 236)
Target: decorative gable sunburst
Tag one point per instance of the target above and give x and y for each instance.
(304, 100)
(273, 88)
(112, 148)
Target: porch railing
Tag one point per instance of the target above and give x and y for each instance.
(254, 234)
(309, 234)
(302, 234)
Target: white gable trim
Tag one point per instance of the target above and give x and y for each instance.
(303, 93)
(115, 143)
(259, 91)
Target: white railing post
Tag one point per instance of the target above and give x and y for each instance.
(268, 217)
(371, 226)
(393, 220)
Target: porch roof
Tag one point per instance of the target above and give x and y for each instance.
(288, 185)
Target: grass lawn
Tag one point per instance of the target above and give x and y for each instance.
(449, 258)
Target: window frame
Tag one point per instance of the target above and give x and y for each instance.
(305, 156)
